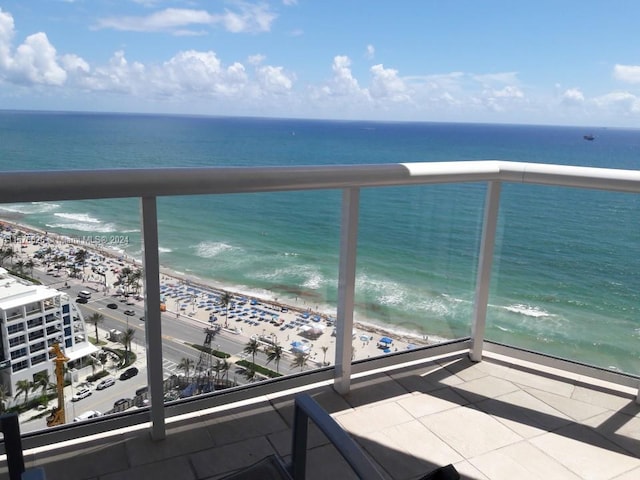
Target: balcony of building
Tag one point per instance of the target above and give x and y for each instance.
(501, 418)
(494, 411)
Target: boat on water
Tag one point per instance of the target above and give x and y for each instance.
(589, 137)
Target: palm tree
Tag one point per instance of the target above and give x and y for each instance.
(252, 348)
(125, 340)
(250, 374)
(95, 319)
(300, 360)
(4, 394)
(19, 265)
(275, 352)
(226, 299)
(134, 279)
(324, 354)
(224, 368)
(6, 253)
(81, 258)
(186, 364)
(29, 264)
(123, 279)
(23, 386)
(44, 383)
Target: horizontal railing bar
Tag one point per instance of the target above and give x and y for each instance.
(23, 186)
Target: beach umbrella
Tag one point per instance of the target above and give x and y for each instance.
(386, 340)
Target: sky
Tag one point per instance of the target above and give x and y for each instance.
(553, 62)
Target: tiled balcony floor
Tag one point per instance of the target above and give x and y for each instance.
(492, 420)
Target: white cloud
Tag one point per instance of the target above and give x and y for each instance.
(627, 73)
(618, 102)
(274, 79)
(118, 76)
(7, 31)
(572, 96)
(33, 62)
(386, 84)
(509, 91)
(491, 79)
(343, 82)
(74, 63)
(256, 59)
(370, 52)
(247, 18)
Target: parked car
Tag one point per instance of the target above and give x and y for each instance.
(112, 306)
(122, 401)
(87, 415)
(80, 394)
(129, 312)
(128, 373)
(107, 382)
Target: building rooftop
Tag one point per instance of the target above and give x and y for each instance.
(495, 419)
(14, 293)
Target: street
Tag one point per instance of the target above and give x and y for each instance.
(177, 334)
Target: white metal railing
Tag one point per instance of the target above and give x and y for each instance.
(148, 184)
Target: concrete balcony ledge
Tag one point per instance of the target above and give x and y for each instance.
(496, 419)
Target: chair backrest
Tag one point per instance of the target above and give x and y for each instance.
(307, 408)
(12, 445)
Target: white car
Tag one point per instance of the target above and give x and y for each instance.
(80, 394)
(107, 382)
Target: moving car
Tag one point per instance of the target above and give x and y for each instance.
(112, 306)
(84, 294)
(107, 382)
(81, 300)
(80, 394)
(122, 401)
(128, 373)
(129, 312)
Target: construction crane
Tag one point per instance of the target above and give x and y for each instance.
(57, 416)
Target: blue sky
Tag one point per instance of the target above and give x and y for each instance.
(558, 62)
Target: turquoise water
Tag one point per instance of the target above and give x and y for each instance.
(566, 275)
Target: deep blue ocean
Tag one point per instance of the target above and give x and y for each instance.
(566, 277)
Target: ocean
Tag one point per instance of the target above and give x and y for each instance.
(566, 277)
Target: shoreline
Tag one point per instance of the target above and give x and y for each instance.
(250, 321)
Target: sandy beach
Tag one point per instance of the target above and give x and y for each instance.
(267, 320)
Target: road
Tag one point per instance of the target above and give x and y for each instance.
(177, 334)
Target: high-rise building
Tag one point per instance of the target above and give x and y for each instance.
(32, 319)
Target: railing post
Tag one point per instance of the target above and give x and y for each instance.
(346, 288)
(485, 261)
(151, 266)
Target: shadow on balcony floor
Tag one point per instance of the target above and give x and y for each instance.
(492, 420)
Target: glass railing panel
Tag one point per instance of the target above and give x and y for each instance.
(249, 287)
(49, 246)
(417, 258)
(566, 275)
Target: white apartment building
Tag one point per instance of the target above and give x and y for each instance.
(32, 319)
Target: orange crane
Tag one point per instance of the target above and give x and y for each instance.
(57, 414)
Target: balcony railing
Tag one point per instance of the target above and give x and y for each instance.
(148, 185)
